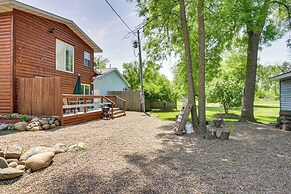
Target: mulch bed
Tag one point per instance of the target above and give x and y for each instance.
(141, 154)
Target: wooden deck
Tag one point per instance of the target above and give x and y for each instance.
(83, 108)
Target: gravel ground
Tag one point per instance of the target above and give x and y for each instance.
(140, 154)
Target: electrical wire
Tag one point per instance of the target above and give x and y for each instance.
(120, 17)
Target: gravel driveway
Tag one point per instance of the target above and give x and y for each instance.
(140, 154)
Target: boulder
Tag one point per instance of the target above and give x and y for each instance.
(13, 164)
(57, 123)
(60, 148)
(36, 128)
(53, 126)
(20, 167)
(10, 173)
(51, 121)
(35, 119)
(39, 161)
(4, 126)
(35, 150)
(28, 128)
(3, 163)
(1, 153)
(43, 122)
(11, 160)
(286, 127)
(13, 152)
(20, 126)
(45, 127)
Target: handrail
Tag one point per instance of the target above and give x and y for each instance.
(119, 98)
(87, 103)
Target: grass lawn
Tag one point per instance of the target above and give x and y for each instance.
(265, 112)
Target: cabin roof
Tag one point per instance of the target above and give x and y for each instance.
(9, 5)
(103, 72)
(283, 76)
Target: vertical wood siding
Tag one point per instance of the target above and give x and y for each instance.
(6, 61)
(35, 51)
(285, 95)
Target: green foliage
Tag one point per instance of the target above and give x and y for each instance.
(24, 118)
(225, 91)
(11, 117)
(266, 89)
(101, 62)
(131, 74)
(156, 86)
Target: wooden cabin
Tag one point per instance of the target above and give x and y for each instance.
(285, 93)
(35, 43)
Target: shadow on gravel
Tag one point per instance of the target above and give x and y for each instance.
(255, 159)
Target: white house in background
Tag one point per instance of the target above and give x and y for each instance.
(109, 79)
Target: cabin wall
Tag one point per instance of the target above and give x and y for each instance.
(109, 82)
(285, 95)
(6, 63)
(36, 51)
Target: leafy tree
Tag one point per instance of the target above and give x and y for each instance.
(156, 86)
(101, 62)
(131, 74)
(259, 25)
(191, 89)
(225, 91)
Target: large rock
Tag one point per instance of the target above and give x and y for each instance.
(10, 173)
(13, 151)
(20, 126)
(13, 164)
(4, 126)
(35, 150)
(37, 128)
(43, 122)
(1, 153)
(45, 127)
(60, 148)
(3, 163)
(39, 161)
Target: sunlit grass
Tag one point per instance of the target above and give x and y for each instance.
(265, 112)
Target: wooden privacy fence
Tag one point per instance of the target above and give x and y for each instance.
(40, 96)
(133, 102)
(132, 99)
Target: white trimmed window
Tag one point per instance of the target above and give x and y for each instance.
(87, 58)
(85, 88)
(64, 56)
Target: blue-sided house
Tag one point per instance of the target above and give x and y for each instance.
(285, 93)
(109, 79)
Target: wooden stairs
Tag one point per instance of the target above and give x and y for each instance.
(118, 112)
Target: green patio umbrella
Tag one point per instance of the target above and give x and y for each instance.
(77, 89)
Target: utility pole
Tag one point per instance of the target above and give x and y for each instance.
(141, 75)
(137, 44)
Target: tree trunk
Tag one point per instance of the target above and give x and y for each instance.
(247, 113)
(191, 89)
(201, 67)
(225, 108)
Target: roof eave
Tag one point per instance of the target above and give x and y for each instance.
(12, 4)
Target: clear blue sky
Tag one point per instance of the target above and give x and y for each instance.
(101, 24)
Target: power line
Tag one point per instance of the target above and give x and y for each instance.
(119, 17)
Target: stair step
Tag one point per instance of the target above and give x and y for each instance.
(119, 115)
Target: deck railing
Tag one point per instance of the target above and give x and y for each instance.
(85, 102)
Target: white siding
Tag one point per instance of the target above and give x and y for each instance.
(285, 97)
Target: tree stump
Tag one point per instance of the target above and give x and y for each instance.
(210, 134)
(224, 135)
(217, 122)
(286, 127)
